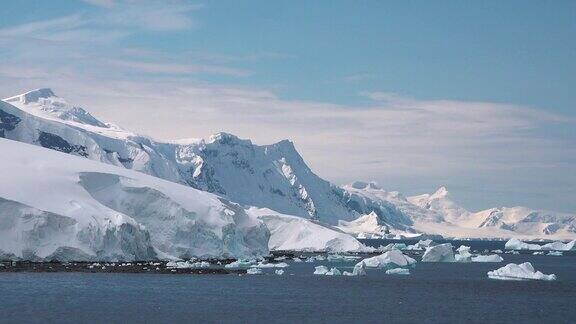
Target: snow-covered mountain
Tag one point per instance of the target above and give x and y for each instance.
(272, 176)
(439, 214)
(57, 206)
(267, 176)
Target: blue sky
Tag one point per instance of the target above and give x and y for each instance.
(478, 96)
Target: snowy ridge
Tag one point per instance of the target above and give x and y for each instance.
(272, 176)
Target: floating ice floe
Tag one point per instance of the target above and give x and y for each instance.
(463, 254)
(398, 271)
(254, 271)
(421, 245)
(264, 265)
(333, 272)
(559, 246)
(487, 258)
(538, 253)
(240, 264)
(516, 244)
(498, 251)
(390, 259)
(359, 270)
(439, 253)
(524, 271)
(555, 253)
(341, 257)
(187, 265)
(320, 270)
(279, 272)
(392, 246)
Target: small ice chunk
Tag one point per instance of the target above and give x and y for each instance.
(333, 272)
(359, 270)
(555, 253)
(390, 259)
(264, 265)
(487, 258)
(254, 271)
(524, 271)
(398, 271)
(439, 253)
(279, 272)
(240, 264)
(320, 270)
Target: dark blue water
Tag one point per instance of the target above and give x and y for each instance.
(433, 293)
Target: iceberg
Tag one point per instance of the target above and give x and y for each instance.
(439, 253)
(390, 259)
(398, 271)
(463, 254)
(516, 244)
(279, 272)
(555, 253)
(487, 258)
(559, 246)
(240, 264)
(524, 271)
(333, 272)
(320, 270)
(254, 271)
(359, 270)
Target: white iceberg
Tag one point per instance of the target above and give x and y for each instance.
(333, 272)
(524, 271)
(265, 265)
(279, 272)
(560, 246)
(439, 253)
(240, 264)
(390, 259)
(187, 265)
(359, 270)
(320, 270)
(463, 254)
(254, 271)
(516, 244)
(398, 271)
(555, 253)
(487, 258)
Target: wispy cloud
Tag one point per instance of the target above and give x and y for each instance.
(168, 68)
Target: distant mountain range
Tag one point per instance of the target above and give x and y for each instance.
(268, 176)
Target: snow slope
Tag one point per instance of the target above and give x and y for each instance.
(53, 204)
(291, 233)
(272, 176)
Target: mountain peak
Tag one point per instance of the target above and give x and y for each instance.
(32, 96)
(442, 192)
(227, 139)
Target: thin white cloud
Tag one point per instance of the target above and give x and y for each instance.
(168, 68)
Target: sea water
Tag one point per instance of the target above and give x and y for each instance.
(433, 292)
